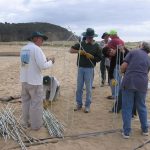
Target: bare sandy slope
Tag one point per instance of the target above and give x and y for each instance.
(76, 123)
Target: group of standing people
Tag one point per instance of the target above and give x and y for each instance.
(114, 57)
(131, 88)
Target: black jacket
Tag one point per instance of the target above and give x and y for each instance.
(117, 59)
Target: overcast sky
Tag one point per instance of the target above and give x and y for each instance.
(131, 18)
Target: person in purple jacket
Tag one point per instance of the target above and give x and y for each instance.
(134, 85)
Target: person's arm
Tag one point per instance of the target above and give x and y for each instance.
(41, 59)
(126, 61)
(98, 55)
(75, 48)
(123, 67)
(72, 50)
(78, 49)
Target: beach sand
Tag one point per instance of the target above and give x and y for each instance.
(85, 131)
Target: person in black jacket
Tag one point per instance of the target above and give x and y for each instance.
(117, 57)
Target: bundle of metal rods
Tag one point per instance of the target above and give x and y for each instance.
(55, 128)
(11, 128)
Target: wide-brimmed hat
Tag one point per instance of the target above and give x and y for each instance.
(37, 34)
(104, 34)
(89, 33)
(112, 32)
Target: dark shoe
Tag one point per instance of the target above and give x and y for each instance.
(145, 132)
(103, 82)
(110, 111)
(93, 87)
(125, 135)
(87, 110)
(110, 97)
(77, 108)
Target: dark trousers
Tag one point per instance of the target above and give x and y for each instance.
(118, 105)
(103, 69)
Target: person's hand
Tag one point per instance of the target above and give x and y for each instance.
(114, 82)
(82, 52)
(50, 58)
(89, 56)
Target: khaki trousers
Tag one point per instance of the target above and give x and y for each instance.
(32, 105)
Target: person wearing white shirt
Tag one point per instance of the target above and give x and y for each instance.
(33, 61)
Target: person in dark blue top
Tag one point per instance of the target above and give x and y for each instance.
(134, 86)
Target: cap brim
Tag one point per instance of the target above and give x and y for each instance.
(44, 37)
(84, 34)
(95, 35)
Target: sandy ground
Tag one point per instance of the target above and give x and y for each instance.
(76, 123)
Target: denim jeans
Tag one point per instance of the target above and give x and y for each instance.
(117, 77)
(85, 75)
(128, 97)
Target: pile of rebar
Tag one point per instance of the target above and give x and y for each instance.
(11, 128)
(55, 128)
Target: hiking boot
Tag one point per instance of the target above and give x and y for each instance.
(87, 109)
(125, 135)
(77, 108)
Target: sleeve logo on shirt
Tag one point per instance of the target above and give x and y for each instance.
(25, 57)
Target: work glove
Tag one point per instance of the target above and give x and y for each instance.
(114, 82)
(89, 56)
(82, 52)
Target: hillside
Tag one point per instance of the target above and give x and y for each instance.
(21, 31)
